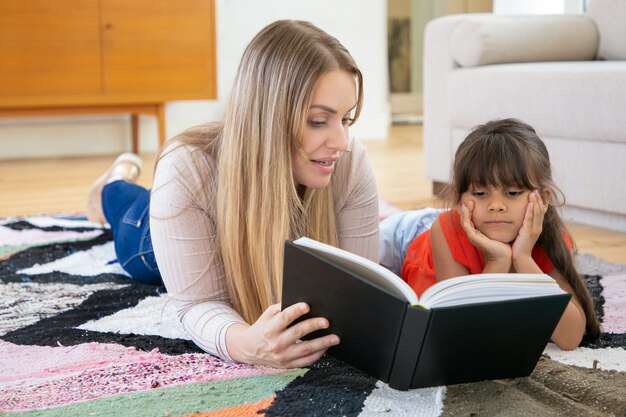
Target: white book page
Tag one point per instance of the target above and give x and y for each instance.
(363, 267)
(488, 287)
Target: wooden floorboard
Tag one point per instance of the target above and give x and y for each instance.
(60, 185)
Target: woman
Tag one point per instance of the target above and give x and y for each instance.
(227, 195)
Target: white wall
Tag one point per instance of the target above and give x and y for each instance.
(537, 6)
(363, 30)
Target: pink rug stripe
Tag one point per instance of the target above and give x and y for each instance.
(614, 303)
(40, 377)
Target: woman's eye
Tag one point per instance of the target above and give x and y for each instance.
(347, 121)
(317, 123)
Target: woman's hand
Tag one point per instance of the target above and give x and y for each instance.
(531, 228)
(271, 341)
(497, 254)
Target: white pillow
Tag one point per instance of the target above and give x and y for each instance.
(483, 39)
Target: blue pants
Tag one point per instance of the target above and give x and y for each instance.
(126, 207)
(398, 231)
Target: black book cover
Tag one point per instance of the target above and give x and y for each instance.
(412, 347)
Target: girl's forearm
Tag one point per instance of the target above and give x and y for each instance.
(493, 266)
(526, 265)
(571, 328)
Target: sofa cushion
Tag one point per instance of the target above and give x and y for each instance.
(590, 173)
(577, 100)
(483, 39)
(610, 17)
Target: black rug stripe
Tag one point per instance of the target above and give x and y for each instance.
(99, 304)
(61, 329)
(57, 277)
(329, 388)
(25, 225)
(614, 340)
(594, 284)
(72, 337)
(49, 253)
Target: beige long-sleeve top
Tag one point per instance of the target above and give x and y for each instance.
(184, 236)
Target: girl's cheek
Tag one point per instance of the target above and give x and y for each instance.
(476, 210)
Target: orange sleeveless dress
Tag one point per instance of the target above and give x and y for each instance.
(418, 269)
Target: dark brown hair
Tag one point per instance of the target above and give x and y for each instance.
(509, 153)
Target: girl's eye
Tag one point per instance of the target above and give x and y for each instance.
(513, 193)
(479, 193)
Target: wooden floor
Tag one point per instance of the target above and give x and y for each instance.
(60, 185)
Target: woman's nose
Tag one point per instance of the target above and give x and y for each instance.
(338, 138)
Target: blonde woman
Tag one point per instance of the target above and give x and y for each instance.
(226, 195)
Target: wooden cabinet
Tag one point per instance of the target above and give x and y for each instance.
(105, 56)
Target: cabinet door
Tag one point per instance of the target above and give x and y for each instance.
(159, 47)
(48, 48)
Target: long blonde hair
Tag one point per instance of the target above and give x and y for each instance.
(259, 205)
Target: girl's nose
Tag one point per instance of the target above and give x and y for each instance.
(496, 205)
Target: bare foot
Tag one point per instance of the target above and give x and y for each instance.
(126, 167)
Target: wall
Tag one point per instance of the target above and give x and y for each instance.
(404, 105)
(363, 30)
(537, 6)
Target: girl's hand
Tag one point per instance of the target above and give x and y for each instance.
(271, 341)
(496, 253)
(531, 227)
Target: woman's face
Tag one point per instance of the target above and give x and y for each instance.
(325, 134)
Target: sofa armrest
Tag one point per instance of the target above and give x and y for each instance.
(437, 65)
(483, 39)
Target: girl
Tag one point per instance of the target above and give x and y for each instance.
(504, 221)
(226, 195)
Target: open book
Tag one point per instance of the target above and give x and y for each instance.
(465, 329)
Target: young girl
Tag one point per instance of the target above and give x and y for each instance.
(504, 221)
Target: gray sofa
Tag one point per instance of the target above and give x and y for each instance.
(563, 74)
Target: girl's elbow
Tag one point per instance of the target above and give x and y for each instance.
(567, 344)
(569, 340)
(571, 328)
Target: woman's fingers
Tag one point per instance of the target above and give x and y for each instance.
(305, 327)
(291, 338)
(289, 314)
(305, 353)
(283, 338)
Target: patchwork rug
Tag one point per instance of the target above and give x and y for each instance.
(78, 337)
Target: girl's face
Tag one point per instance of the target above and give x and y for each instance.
(498, 211)
(325, 135)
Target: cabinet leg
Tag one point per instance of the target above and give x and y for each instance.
(161, 123)
(134, 130)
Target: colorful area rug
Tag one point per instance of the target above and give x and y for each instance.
(77, 338)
